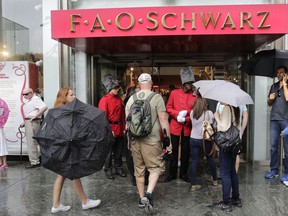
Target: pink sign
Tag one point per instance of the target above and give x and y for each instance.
(173, 20)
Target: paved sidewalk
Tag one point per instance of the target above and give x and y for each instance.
(29, 192)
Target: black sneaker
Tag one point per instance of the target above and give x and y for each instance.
(236, 202)
(223, 206)
(140, 204)
(147, 201)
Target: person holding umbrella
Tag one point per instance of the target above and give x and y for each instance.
(278, 121)
(227, 161)
(65, 95)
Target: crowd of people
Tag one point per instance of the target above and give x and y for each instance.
(180, 118)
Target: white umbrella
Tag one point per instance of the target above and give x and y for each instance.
(223, 91)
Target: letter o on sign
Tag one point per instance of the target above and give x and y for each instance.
(131, 21)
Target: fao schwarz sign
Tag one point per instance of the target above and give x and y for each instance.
(182, 21)
(174, 20)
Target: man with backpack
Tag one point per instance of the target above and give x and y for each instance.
(145, 118)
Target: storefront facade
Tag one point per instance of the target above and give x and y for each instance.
(97, 38)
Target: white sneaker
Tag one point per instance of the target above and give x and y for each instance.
(91, 204)
(60, 208)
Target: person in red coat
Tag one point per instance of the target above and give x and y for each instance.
(113, 106)
(179, 106)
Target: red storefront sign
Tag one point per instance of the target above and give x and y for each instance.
(176, 20)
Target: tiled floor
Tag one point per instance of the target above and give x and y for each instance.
(29, 192)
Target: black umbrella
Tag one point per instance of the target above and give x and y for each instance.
(265, 63)
(74, 140)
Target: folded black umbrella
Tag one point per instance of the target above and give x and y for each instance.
(74, 140)
(265, 63)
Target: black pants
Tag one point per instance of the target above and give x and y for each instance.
(116, 150)
(185, 152)
(129, 158)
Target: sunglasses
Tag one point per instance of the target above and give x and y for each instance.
(26, 94)
(278, 93)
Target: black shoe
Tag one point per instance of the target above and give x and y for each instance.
(140, 204)
(147, 201)
(169, 178)
(223, 206)
(30, 166)
(185, 178)
(109, 174)
(121, 173)
(236, 202)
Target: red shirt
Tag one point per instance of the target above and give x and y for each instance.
(178, 101)
(114, 109)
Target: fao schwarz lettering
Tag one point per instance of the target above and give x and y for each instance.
(173, 21)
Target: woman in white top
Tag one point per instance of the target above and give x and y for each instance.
(227, 162)
(198, 115)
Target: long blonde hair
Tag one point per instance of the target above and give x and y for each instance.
(61, 98)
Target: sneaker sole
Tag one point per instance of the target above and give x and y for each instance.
(237, 205)
(147, 206)
(53, 211)
(275, 176)
(91, 207)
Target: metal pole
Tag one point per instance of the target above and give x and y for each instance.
(21, 137)
(281, 155)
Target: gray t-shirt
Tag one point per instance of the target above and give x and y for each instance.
(280, 105)
(197, 124)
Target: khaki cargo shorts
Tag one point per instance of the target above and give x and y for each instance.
(147, 155)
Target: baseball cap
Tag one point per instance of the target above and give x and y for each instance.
(144, 78)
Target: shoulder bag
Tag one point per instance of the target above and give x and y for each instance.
(228, 141)
(207, 132)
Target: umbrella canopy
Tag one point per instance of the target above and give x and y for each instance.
(223, 91)
(4, 113)
(74, 140)
(265, 63)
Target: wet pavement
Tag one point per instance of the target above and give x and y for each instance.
(29, 192)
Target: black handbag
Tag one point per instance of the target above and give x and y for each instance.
(228, 141)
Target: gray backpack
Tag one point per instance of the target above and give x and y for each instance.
(139, 120)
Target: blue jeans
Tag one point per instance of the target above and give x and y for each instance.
(275, 129)
(229, 176)
(196, 146)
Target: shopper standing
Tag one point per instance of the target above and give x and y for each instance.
(33, 111)
(278, 121)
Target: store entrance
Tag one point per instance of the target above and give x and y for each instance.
(164, 69)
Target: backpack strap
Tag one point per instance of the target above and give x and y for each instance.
(148, 100)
